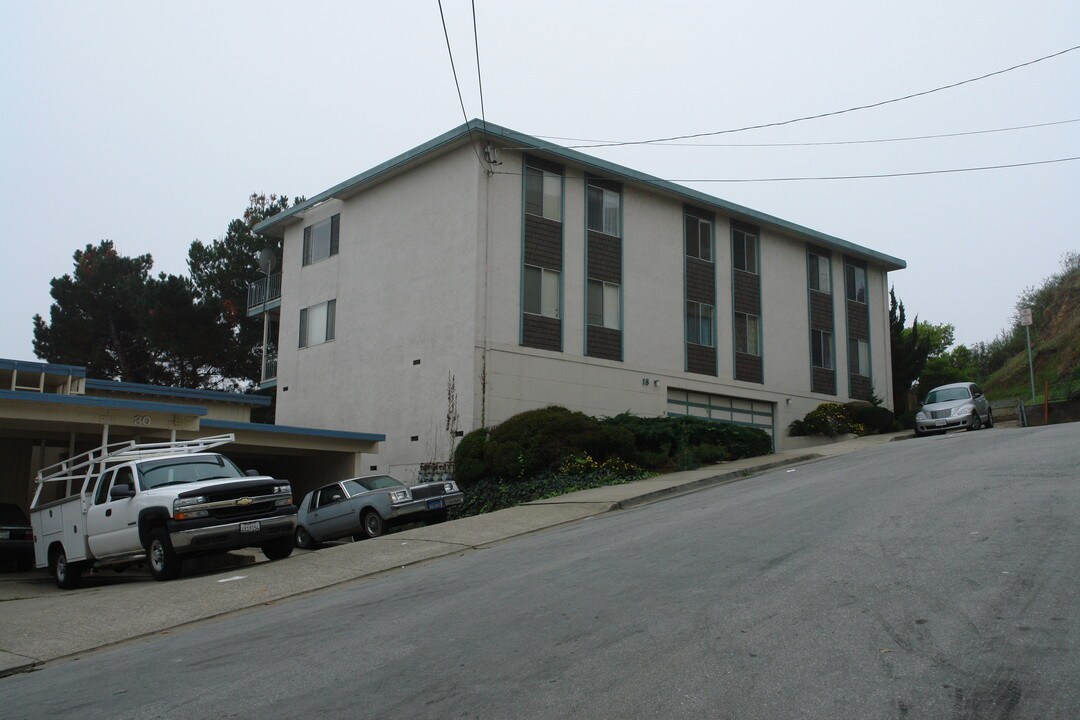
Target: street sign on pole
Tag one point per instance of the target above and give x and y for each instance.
(1025, 320)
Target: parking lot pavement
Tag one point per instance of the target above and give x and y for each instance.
(42, 623)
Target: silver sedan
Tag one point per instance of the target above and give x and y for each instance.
(954, 406)
(364, 507)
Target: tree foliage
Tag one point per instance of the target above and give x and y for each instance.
(221, 272)
(114, 317)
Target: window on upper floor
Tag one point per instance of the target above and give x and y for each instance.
(744, 247)
(818, 266)
(859, 357)
(699, 324)
(855, 277)
(543, 193)
(747, 334)
(541, 296)
(821, 349)
(321, 239)
(317, 323)
(603, 304)
(698, 237)
(603, 210)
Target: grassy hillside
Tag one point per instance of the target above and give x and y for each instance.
(1055, 341)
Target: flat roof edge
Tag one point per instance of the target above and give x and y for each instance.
(294, 430)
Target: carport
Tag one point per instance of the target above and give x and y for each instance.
(49, 412)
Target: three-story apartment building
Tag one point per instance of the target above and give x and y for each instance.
(487, 272)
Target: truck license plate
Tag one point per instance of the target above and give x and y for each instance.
(435, 504)
(250, 527)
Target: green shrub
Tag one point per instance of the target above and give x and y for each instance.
(873, 418)
(534, 442)
(663, 443)
(826, 419)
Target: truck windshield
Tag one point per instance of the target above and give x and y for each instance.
(176, 471)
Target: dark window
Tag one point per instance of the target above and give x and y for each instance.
(744, 250)
(859, 357)
(856, 283)
(603, 210)
(821, 349)
(699, 324)
(543, 193)
(603, 304)
(329, 495)
(317, 323)
(321, 239)
(541, 294)
(747, 334)
(102, 495)
(819, 272)
(698, 238)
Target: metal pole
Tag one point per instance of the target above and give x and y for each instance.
(1031, 368)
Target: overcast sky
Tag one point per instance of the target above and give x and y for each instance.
(151, 123)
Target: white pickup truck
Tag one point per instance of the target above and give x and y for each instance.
(157, 503)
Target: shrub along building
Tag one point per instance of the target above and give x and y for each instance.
(487, 272)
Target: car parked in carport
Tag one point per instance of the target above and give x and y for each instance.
(365, 507)
(16, 538)
(954, 406)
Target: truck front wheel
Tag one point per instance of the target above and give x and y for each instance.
(278, 549)
(164, 563)
(67, 575)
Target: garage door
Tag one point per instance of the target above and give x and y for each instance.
(726, 408)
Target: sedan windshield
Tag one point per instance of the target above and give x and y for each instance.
(178, 471)
(379, 482)
(947, 394)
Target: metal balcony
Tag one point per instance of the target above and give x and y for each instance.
(264, 294)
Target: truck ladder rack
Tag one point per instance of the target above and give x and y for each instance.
(80, 467)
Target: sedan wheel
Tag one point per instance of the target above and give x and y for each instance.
(303, 539)
(976, 421)
(371, 524)
(989, 418)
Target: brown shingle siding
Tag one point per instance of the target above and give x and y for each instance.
(543, 242)
(605, 258)
(748, 368)
(543, 333)
(700, 281)
(604, 343)
(860, 387)
(746, 293)
(858, 320)
(823, 381)
(821, 315)
(700, 359)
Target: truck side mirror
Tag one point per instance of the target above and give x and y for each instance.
(121, 491)
(252, 473)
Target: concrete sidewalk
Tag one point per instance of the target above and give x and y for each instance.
(39, 622)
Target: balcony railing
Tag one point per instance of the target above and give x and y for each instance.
(263, 291)
(269, 367)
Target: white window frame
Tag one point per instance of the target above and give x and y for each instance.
(821, 264)
(821, 341)
(699, 319)
(748, 240)
(317, 323)
(858, 357)
(748, 334)
(694, 249)
(550, 192)
(609, 297)
(540, 296)
(610, 210)
(855, 283)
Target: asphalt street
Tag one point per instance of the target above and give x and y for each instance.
(934, 578)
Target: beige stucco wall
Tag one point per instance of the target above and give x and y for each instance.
(404, 281)
(430, 268)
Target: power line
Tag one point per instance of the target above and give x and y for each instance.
(827, 114)
(479, 78)
(834, 142)
(887, 175)
(848, 177)
(450, 52)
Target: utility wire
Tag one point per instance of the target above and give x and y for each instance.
(450, 52)
(479, 78)
(835, 142)
(851, 177)
(827, 114)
